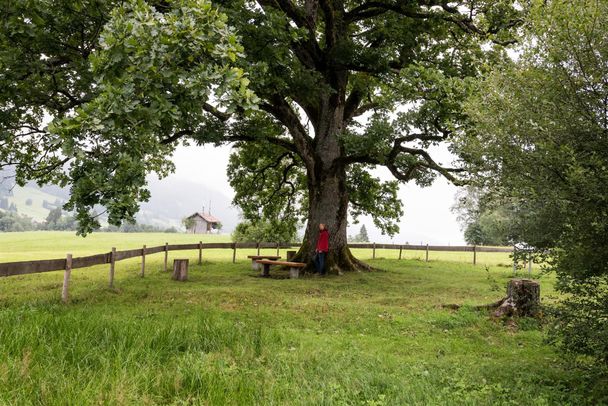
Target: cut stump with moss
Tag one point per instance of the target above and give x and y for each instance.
(523, 299)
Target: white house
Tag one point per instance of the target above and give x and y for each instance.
(203, 223)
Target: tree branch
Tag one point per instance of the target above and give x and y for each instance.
(282, 111)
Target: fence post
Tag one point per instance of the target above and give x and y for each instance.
(278, 247)
(112, 265)
(258, 249)
(143, 262)
(530, 265)
(200, 253)
(66, 278)
(400, 250)
(234, 252)
(474, 254)
(374, 251)
(166, 256)
(514, 261)
(427, 253)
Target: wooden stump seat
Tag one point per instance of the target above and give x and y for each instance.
(294, 267)
(180, 270)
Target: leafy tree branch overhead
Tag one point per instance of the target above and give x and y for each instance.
(314, 94)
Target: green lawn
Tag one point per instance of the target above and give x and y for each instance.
(229, 337)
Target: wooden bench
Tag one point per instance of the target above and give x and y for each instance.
(294, 267)
(255, 266)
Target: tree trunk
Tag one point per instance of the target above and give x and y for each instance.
(327, 191)
(328, 204)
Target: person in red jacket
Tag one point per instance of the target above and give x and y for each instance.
(322, 249)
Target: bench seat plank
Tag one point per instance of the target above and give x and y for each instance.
(284, 263)
(255, 266)
(294, 267)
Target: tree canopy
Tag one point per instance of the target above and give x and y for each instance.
(315, 94)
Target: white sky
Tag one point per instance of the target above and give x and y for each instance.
(427, 218)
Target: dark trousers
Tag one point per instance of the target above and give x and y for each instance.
(320, 262)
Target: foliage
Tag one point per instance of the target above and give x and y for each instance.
(125, 81)
(146, 77)
(486, 221)
(361, 237)
(57, 221)
(188, 223)
(10, 222)
(138, 228)
(542, 139)
(264, 231)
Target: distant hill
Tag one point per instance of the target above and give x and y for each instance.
(172, 199)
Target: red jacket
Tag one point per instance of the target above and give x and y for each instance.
(323, 241)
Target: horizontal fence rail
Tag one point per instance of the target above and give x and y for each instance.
(49, 265)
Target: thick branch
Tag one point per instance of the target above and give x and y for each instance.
(282, 111)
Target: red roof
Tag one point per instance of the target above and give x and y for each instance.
(207, 217)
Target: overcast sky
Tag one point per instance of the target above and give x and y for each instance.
(427, 218)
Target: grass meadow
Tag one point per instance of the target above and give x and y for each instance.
(228, 337)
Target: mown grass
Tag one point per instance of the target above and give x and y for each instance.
(229, 337)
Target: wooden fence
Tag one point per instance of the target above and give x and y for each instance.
(68, 263)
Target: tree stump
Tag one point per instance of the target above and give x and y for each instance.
(290, 255)
(180, 270)
(523, 299)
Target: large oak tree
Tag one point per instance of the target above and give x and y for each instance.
(315, 94)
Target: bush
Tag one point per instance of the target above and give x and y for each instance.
(582, 318)
(10, 222)
(264, 231)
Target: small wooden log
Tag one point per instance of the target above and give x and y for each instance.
(112, 266)
(374, 252)
(427, 253)
(290, 255)
(66, 278)
(400, 250)
(180, 270)
(200, 252)
(523, 299)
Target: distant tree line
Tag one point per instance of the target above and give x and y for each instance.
(361, 237)
(138, 228)
(57, 220)
(265, 231)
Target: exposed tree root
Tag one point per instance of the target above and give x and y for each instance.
(523, 299)
(337, 262)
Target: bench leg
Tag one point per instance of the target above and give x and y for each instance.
(294, 273)
(254, 265)
(266, 271)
